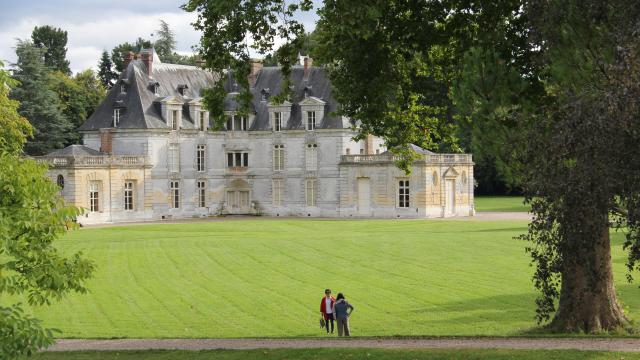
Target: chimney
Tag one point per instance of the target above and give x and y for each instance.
(106, 142)
(147, 60)
(308, 63)
(127, 59)
(256, 66)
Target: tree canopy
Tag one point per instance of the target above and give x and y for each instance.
(106, 74)
(54, 41)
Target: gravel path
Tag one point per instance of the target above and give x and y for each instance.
(601, 344)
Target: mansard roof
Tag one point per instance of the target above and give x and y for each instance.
(141, 105)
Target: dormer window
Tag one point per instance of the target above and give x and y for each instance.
(307, 91)
(264, 95)
(156, 89)
(203, 121)
(174, 119)
(182, 88)
(236, 123)
(311, 120)
(123, 88)
(116, 116)
(277, 121)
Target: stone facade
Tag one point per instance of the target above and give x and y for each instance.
(158, 157)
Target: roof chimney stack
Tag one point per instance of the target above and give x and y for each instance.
(308, 63)
(256, 67)
(127, 59)
(147, 60)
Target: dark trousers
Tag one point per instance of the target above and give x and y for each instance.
(329, 318)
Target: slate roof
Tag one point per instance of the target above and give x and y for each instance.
(141, 107)
(75, 151)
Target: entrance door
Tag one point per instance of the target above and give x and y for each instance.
(238, 201)
(450, 196)
(364, 196)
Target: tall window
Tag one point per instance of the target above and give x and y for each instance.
(203, 121)
(123, 88)
(200, 158)
(236, 123)
(173, 158)
(278, 157)
(277, 121)
(202, 191)
(311, 192)
(174, 119)
(311, 120)
(94, 196)
(278, 188)
(128, 194)
(312, 157)
(116, 117)
(237, 159)
(403, 193)
(174, 194)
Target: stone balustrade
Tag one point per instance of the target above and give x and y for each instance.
(93, 161)
(386, 158)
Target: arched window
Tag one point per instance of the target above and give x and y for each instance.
(60, 181)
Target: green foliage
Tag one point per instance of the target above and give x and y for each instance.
(38, 103)
(14, 129)
(119, 51)
(54, 41)
(105, 71)
(227, 24)
(166, 43)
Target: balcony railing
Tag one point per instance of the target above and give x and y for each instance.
(436, 158)
(93, 161)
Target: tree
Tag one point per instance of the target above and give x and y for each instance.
(54, 40)
(555, 81)
(118, 52)
(38, 102)
(79, 96)
(166, 43)
(32, 216)
(105, 71)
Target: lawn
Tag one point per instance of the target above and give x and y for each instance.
(317, 354)
(264, 278)
(500, 203)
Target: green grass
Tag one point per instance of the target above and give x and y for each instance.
(264, 278)
(500, 203)
(316, 354)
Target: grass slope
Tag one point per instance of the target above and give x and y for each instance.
(316, 354)
(264, 278)
(500, 203)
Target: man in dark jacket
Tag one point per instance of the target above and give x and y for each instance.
(342, 310)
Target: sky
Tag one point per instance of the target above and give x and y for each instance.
(97, 25)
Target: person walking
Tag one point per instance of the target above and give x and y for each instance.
(342, 310)
(326, 309)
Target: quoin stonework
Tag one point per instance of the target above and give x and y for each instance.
(150, 153)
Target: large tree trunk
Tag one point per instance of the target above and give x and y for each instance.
(588, 303)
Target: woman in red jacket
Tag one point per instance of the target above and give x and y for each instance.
(326, 309)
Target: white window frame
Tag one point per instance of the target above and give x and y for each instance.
(311, 157)
(278, 157)
(202, 193)
(277, 191)
(174, 194)
(201, 158)
(94, 196)
(173, 158)
(404, 194)
(243, 122)
(116, 116)
(129, 195)
(277, 121)
(311, 120)
(123, 88)
(174, 119)
(238, 159)
(311, 190)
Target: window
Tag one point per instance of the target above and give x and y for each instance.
(311, 192)
(403, 193)
(202, 191)
(203, 121)
(237, 159)
(60, 181)
(278, 188)
(116, 117)
(277, 121)
(278, 157)
(173, 158)
(311, 120)
(174, 194)
(312, 157)
(200, 158)
(348, 151)
(123, 88)
(435, 178)
(94, 196)
(156, 88)
(236, 123)
(174, 119)
(128, 194)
